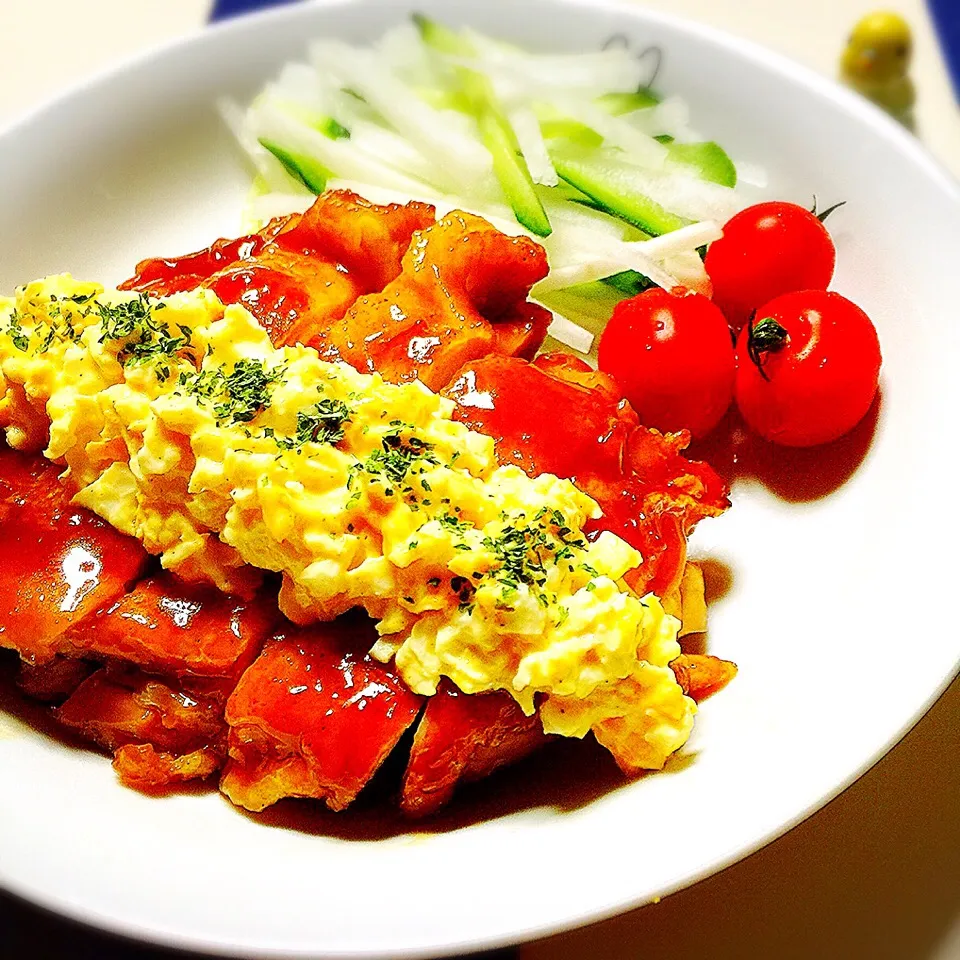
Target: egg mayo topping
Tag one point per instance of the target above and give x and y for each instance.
(181, 424)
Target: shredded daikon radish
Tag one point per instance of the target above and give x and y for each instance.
(600, 264)
(569, 333)
(616, 132)
(299, 83)
(527, 129)
(683, 194)
(672, 116)
(341, 156)
(424, 113)
(681, 241)
(690, 272)
(433, 132)
(268, 168)
(376, 142)
(598, 72)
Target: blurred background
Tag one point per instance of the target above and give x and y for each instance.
(876, 874)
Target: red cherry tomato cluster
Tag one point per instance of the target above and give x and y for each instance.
(806, 363)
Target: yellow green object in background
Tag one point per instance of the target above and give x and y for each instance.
(876, 60)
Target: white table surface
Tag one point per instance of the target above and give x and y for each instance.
(876, 874)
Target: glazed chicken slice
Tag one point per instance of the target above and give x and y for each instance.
(314, 716)
(461, 294)
(169, 627)
(163, 276)
(73, 597)
(462, 738)
(554, 415)
(159, 734)
(384, 288)
(701, 675)
(559, 416)
(165, 721)
(300, 274)
(119, 706)
(60, 562)
(52, 681)
(144, 767)
(66, 606)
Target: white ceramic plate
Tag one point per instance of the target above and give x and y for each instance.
(834, 607)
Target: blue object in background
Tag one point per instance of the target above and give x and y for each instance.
(946, 18)
(222, 9)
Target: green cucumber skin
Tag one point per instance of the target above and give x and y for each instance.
(600, 185)
(629, 282)
(513, 174)
(310, 173)
(618, 104)
(496, 133)
(707, 159)
(440, 37)
(332, 129)
(570, 131)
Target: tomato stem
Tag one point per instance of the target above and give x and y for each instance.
(764, 338)
(826, 213)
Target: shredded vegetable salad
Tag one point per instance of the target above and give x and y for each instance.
(573, 149)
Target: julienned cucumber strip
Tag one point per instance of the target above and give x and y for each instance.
(609, 183)
(583, 303)
(440, 37)
(444, 99)
(572, 131)
(508, 163)
(333, 129)
(629, 282)
(620, 103)
(708, 160)
(328, 126)
(311, 174)
(497, 134)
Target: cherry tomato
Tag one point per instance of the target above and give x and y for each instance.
(672, 356)
(765, 251)
(807, 368)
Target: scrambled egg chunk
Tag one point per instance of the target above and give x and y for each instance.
(181, 424)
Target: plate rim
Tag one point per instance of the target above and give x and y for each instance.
(757, 54)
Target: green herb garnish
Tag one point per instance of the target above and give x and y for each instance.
(398, 453)
(322, 422)
(135, 322)
(241, 394)
(19, 338)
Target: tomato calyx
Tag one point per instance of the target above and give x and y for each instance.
(764, 338)
(822, 216)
